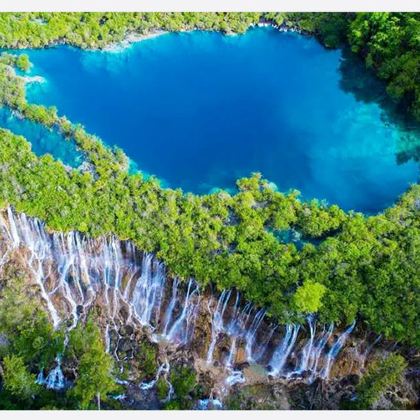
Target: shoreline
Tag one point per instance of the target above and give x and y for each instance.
(129, 41)
(134, 38)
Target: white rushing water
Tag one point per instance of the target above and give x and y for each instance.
(74, 272)
(55, 379)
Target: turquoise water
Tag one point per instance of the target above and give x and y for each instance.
(200, 110)
(43, 140)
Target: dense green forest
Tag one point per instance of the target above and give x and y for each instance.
(362, 266)
(389, 42)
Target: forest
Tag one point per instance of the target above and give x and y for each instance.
(347, 265)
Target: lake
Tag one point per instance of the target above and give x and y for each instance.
(200, 110)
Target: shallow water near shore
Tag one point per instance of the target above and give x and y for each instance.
(43, 140)
(199, 110)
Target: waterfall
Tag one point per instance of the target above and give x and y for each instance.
(180, 331)
(209, 404)
(147, 294)
(171, 306)
(251, 333)
(259, 353)
(217, 322)
(239, 325)
(55, 379)
(281, 354)
(13, 230)
(163, 371)
(317, 352)
(235, 377)
(107, 339)
(308, 348)
(337, 346)
(74, 272)
(232, 353)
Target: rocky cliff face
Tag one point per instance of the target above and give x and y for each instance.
(241, 358)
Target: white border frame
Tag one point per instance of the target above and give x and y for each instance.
(210, 5)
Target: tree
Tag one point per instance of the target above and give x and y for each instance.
(25, 324)
(95, 378)
(184, 382)
(379, 377)
(308, 297)
(23, 63)
(17, 380)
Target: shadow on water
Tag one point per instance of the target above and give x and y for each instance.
(367, 88)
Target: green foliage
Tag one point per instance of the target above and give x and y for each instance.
(146, 359)
(366, 264)
(390, 43)
(82, 338)
(41, 114)
(308, 297)
(89, 30)
(25, 324)
(162, 388)
(23, 62)
(316, 220)
(20, 61)
(380, 376)
(173, 405)
(17, 380)
(29, 345)
(95, 378)
(184, 382)
(330, 28)
(363, 266)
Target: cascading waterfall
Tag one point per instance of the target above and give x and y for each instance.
(72, 271)
(217, 322)
(171, 306)
(251, 334)
(209, 404)
(243, 326)
(281, 354)
(148, 291)
(318, 350)
(55, 379)
(75, 272)
(308, 348)
(235, 377)
(259, 353)
(338, 345)
(182, 328)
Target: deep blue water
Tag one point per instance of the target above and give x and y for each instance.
(43, 140)
(199, 110)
